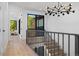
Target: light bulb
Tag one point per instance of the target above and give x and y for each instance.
(54, 6)
(63, 14)
(47, 7)
(58, 15)
(45, 13)
(67, 12)
(70, 4)
(53, 14)
(50, 13)
(73, 11)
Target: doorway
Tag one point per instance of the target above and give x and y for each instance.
(35, 24)
(13, 27)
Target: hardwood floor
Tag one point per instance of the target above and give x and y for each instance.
(18, 47)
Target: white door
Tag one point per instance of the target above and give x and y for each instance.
(3, 26)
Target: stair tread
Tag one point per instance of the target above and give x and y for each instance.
(56, 51)
(51, 43)
(52, 47)
(57, 54)
(60, 54)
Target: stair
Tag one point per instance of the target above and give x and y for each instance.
(54, 49)
(56, 52)
(34, 40)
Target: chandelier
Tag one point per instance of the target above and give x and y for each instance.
(59, 10)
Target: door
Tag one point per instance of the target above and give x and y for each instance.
(40, 25)
(31, 25)
(40, 22)
(0, 29)
(4, 26)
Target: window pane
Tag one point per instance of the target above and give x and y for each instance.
(31, 22)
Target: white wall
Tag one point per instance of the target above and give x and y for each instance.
(68, 24)
(16, 11)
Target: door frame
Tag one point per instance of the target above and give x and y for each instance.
(35, 20)
(19, 26)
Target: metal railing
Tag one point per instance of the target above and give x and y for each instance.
(54, 43)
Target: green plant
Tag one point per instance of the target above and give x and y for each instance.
(13, 25)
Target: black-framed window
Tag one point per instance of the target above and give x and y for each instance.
(35, 22)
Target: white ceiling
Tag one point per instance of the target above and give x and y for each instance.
(41, 6)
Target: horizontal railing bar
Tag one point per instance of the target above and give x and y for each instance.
(63, 33)
(38, 42)
(34, 36)
(55, 32)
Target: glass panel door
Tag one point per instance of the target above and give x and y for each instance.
(31, 22)
(31, 25)
(35, 23)
(40, 25)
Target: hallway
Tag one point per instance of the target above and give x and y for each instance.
(18, 47)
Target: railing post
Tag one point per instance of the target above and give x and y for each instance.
(44, 42)
(26, 36)
(63, 43)
(51, 42)
(75, 45)
(58, 43)
(48, 42)
(54, 44)
(68, 44)
(44, 36)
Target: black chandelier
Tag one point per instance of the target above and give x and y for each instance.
(59, 10)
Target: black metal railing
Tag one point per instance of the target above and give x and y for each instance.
(54, 43)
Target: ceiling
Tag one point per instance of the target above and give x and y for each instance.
(40, 6)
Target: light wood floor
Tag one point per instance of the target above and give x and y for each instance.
(18, 47)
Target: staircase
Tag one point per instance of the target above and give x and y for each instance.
(51, 42)
(54, 49)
